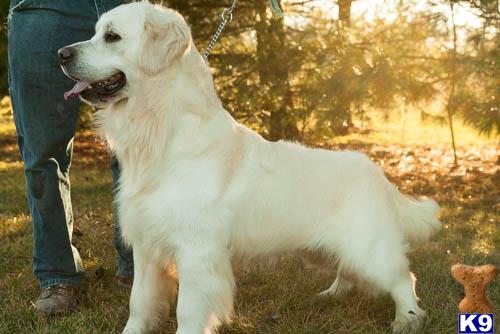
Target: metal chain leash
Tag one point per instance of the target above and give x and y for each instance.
(227, 16)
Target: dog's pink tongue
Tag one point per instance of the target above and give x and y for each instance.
(79, 87)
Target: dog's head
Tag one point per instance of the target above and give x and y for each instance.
(132, 42)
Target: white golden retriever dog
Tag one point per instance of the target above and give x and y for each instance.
(198, 189)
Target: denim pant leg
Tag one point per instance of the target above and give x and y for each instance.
(125, 261)
(45, 124)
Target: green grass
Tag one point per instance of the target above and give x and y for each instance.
(278, 297)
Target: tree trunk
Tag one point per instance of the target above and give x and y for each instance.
(345, 12)
(453, 71)
(274, 74)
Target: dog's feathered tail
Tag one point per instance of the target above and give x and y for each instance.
(419, 218)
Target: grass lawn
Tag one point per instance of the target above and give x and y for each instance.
(279, 297)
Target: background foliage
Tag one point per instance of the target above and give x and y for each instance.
(309, 75)
(4, 10)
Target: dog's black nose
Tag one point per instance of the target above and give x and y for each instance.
(65, 54)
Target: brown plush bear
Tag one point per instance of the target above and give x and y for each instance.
(474, 280)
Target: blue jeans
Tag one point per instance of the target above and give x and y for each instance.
(45, 125)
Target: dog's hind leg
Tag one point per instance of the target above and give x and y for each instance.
(387, 270)
(340, 287)
(377, 260)
(206, 285)
(151, 284)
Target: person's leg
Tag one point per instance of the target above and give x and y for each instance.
(45, 126)
(125, 260)
(45, 123)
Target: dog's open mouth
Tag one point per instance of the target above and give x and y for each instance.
(103, 88)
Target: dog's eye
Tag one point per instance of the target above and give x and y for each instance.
(111, 37)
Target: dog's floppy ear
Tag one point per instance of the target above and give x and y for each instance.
(166, 38)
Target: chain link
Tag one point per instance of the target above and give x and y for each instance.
(226, 16)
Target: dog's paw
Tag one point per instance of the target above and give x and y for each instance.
(132, 330)
(329, 293)
(338, 289)
(410, 324)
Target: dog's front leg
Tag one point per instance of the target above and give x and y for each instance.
(152, 290)
(206, 285)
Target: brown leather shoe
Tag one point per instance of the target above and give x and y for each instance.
(56, 299)
(124, 282)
